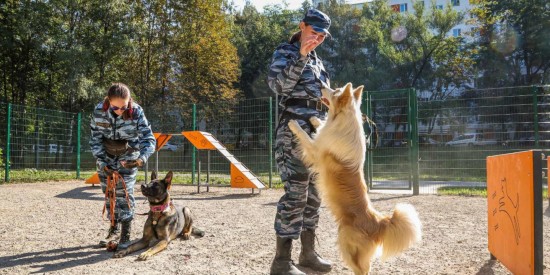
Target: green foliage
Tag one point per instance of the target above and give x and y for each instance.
(413, 49)
(515, 42)
(256, 37)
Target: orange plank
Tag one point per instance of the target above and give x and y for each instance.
(94, 179)
(239, 180)
(510, 207)
(162, 139)
(198, 140)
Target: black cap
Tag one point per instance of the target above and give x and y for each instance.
(318, 20)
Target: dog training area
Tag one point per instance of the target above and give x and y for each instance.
(54, 227)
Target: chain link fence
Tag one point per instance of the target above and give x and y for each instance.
(425, 139)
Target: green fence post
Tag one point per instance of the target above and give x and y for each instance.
(8, 136)
(193, 157)
(79, 124)
(367, 101)
(413, 132)
(536, 115)
(270, 143)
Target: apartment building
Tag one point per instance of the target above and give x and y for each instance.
(464, 29)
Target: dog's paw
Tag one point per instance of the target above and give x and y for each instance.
(144, 256)
(294, 126)
(186, 236)
(315, 121)
(120, 254)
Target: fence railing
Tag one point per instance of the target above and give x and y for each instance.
(447, 137)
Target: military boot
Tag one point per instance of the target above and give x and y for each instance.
(111, 236)
(282, 264)
(308, 256)
(124, 241)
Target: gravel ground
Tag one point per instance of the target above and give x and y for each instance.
(54, 227)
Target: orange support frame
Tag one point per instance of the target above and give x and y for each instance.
(514, 206)
(162, 139)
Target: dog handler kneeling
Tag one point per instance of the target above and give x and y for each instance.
(297, 75)
(121, 142)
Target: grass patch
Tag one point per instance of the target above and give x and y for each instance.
(185, 178)
(463, 191)
(472, 191)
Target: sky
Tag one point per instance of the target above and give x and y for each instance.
(259, 4)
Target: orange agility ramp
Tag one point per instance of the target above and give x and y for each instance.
(94, 179)
(241, 176)
(514, 206)
(162, 139)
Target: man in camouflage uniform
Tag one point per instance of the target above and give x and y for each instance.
(297, 75)
(121, 141)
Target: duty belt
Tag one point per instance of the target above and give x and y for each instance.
(309, 103)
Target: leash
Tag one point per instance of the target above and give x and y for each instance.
(110, 194)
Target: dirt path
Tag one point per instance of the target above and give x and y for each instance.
(54, 228)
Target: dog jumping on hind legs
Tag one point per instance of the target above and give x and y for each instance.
(337, 154)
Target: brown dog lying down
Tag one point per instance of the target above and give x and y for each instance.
(165, 220)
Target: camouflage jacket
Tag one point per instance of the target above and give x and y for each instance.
(293, 76)
(137, 131)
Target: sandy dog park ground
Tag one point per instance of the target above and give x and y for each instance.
(54, 227)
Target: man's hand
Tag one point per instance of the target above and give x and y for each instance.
(132, 163)
(108, 171)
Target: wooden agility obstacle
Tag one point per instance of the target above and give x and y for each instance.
(514, 206)
(241, 176)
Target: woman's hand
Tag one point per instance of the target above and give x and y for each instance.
(309, 43)
(108, 171)
(132, 163)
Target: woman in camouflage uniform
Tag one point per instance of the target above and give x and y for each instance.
(297, 75)
(121, 141)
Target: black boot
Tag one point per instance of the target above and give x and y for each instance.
(308, 256)
(282, 264)
(125, 235)
(111, 236)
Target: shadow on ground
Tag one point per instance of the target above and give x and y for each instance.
(57, 259)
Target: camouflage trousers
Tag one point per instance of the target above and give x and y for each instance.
(122, 212)
(298, 208)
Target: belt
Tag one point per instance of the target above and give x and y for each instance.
(128, 151)
(309, 103)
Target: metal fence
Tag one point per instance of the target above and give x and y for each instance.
(444, 140)
(426, 140)
(35, 139)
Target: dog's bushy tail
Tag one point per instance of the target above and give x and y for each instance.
(197, 232)
(402, 230)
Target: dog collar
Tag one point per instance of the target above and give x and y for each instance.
(160, 208)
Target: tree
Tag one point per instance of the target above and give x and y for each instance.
(413, 49)
(515, 42)
(256, 37)
(205, 62)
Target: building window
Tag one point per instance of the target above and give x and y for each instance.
(456, 32)
(455, 2)
(395, 8)
(439, 7)
(403, 7)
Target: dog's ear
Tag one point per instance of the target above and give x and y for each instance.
(153, 175)
(345, 98)
(357, 93)
(168, 180)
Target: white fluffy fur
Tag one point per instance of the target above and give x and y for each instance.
(337, 154)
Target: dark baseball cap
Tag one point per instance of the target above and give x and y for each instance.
(318, 20)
